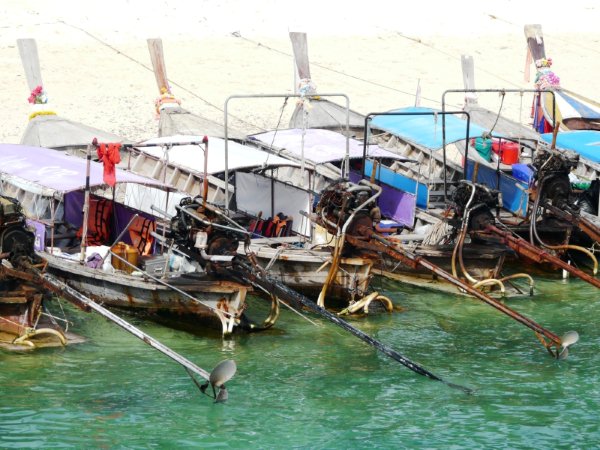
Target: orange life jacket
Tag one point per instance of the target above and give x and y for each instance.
(98, 232)
(139, 233)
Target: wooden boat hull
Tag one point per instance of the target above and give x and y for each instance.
(306, 271)
(481, 262)
(22, 327)
(207, 301)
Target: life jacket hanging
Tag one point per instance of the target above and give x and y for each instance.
(139, 233)
(100, 212)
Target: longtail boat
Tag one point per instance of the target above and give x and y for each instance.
(555, 105)
(118, 262)
(26, 289)
(46, 128)
(397, 205)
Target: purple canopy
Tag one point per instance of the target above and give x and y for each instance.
(320, 146)
(57, 171)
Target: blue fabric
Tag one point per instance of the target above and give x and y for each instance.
(514, 195)
(398, 181)
(584, 142)
(423, 129)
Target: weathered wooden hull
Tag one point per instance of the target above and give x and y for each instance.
(480, 261)
(208, 301)
(306, 271)
(21, 325)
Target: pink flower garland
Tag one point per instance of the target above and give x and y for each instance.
(37, 96)
(545, 78)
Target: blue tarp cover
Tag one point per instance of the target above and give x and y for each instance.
(515, 197)
(584, 142)
(426, 130)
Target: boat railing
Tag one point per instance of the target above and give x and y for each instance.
(346, 163)
(369, 117)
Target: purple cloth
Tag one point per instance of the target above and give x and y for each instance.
(56, 170)
(398, 205)
(320, 146)
(395, 204)
(122, 214)
(94, 261)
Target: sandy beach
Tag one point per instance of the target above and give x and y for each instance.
(96, 66)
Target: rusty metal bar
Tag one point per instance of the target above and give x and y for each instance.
(389, 248)
(524, 248)
(54, 285)
(250, 274)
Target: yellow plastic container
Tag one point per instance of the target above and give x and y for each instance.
(128, 253)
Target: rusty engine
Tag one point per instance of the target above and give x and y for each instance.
(15, 238)
(475, 202)
(343, 201)
(17, 241)
(552, 170)
(201, 232)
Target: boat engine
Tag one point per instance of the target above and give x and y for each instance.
(552, 170)
(17, 241)
(202, 233)
(15, 237)
(344, 200)
(477, 201)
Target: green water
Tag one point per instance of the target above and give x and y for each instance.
(306, 386)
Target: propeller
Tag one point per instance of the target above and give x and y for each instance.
(568, 339)
(221, 374)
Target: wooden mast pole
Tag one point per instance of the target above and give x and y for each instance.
(86, 204)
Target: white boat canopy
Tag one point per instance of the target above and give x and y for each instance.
(191, 157)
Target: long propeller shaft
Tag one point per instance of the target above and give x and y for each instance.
(54, 285)
(254, 276)
(384, 246)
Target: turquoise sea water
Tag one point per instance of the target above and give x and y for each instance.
(305, 386)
